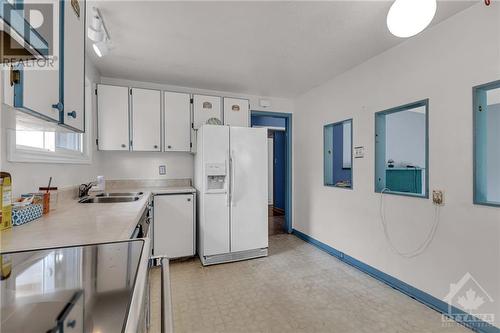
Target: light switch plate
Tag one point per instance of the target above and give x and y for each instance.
(438, 197)
(359, 152)
(163, 170)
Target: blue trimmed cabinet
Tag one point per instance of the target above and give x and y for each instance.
(53, 87)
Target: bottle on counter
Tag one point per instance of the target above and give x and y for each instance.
(5, 200)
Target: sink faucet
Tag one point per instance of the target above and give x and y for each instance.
(84, 189)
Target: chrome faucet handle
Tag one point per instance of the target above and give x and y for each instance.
(84, 189)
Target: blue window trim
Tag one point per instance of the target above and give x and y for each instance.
(288, 185)
(380, 147)
(479, 172)
(352, 154)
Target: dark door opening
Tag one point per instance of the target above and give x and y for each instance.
(279, 169)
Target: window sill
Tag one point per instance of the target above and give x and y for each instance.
(31, 156)
(406, 194)
(336, 186)
(487, 203)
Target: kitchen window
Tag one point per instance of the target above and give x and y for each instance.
(34, 140)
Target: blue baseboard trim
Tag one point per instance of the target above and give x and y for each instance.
(438, 305)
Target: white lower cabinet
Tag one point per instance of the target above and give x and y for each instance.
(177, 125)
(174, 225)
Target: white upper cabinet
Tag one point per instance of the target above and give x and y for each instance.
(146, 119)
(113, 117)
(52, 87)
(38, 89)
(177, 124)
(74, 66)
(236, 112)
(204, 108)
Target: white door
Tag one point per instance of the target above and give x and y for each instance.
(204, 108)
(215, 215)
(249, 168)
(236, 112)
(113, 117)
(146, 119)
(74, 66)
(177, 121)
(174, 231)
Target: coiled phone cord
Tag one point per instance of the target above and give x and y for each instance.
(423, 246)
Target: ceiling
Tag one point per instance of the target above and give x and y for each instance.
(265, 48)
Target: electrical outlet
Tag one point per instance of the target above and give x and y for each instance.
(163, 170)
(438, 197)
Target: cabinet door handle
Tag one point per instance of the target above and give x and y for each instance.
(72, 114)
(169, 147)
(156, 146)
(124, 145)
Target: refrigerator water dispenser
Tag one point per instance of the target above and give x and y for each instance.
(216, 177)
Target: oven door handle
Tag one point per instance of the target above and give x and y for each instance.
(166, 297)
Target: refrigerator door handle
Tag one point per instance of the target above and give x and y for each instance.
(228, 190)
(233, 173)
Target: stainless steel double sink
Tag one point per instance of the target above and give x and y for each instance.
(113, 197)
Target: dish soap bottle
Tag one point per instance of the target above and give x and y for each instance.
(5, 200)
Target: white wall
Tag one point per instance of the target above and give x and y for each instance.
(405, 138)
(27, 177)
(442, 64)
(136, 165)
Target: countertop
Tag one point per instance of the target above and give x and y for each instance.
(73, 223)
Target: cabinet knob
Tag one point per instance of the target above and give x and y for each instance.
(124, 145)
(169, 147)
(156, 146)
(72, 114)
(59, 106)
(71, 323)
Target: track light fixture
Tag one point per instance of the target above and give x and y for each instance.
(98, 33)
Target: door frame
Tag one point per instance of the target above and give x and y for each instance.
(288, 169)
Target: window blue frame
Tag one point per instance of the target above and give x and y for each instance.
(329, 163)
(380, 148)
(480, 134)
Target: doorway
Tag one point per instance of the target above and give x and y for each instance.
(279, 168)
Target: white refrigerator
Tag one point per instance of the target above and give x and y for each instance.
(231, 181)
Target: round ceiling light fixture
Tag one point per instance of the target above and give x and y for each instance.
(407, 18)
